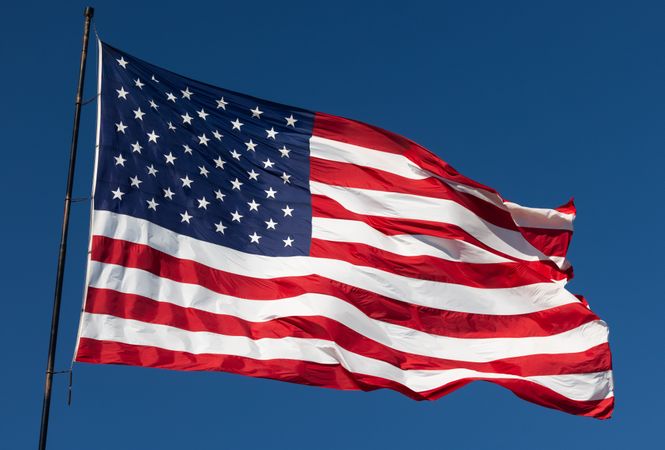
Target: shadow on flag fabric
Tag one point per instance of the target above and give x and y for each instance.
(231, 233)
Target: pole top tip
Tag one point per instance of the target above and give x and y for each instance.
(89, 11)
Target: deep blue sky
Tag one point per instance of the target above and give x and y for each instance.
(541, 100)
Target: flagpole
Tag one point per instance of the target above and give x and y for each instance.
(46, 406)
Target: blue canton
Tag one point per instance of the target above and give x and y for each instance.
(202, 161)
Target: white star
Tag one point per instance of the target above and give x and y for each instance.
(286, 178)
(219, 195)
(235, 154)
(271, 133)
(122, 62)
(119, 160)
(250, 146)
(220, 227)
(186, 182)
(270, 224)
(185, 217)
(136, 147)
(138, 114)
(219, 163)
(151, 170)
(254, 237)
(170, 97)
(288, 241)
(268, 164)
(187, 93)
(291, 121)
(120, 127)
(154, 105)
(203, 203)
(122, 93)
(203, 139)
(253, 175)
(256, 112)
(221, 103)
(152, 137)
(253, 206)
(202, 114)
(203, 171)
(135, 181)
(154, 79)
(171, 126)
(217, 135)
(138, 83)
(284, 151)
(236, 184)
(152, 204)
(187, 149)
(236, 216)
(168, 193)
(170, 159)
(186, 118)
(118, 193)
(288, 211)
(270, 193)
(237, 124)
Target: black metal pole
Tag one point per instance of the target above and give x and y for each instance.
(63, 237)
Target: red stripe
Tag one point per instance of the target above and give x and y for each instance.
(490, 276)
(430, 320)
(369, 136)
(136, 307)
(325, 207)
(551, 242)
(302, 372)
(540, 395)
(568, 208)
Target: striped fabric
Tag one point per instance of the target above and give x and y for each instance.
(418, 279)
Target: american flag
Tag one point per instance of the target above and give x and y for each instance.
(235, 234)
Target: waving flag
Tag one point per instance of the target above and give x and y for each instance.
(235, 234)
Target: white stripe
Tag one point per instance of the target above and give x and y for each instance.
(139, 282)
(406, 206)
(400, 165)
(349, 153)
(591, 386)
(540, 217)
(340, 230)
(523, 216)
(447, 296)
